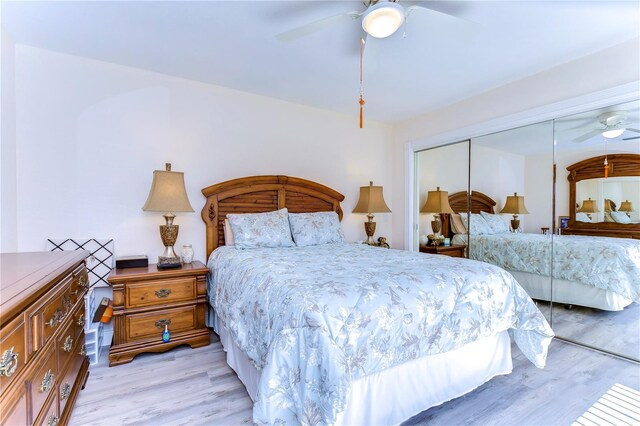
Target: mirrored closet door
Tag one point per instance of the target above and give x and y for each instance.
(597, 256)
(442, 182)
(511, 223)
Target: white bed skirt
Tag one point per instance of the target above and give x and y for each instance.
(570, 292)
(396, 394)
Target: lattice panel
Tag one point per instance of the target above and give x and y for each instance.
(99, 263)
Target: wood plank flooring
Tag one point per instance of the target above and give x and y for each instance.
(196, 387)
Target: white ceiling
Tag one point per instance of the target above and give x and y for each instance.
(233, 44)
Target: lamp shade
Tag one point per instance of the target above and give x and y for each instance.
(589, 206)
(514, 205)
(167, 193)
(626, 206)
(437, 202)
(371, 200)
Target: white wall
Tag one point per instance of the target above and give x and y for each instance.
(89, 135)
(8, 190)
(609, 68)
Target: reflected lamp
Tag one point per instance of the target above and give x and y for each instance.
(437, 202)
(589, 206)
(627, 207)
(515, 206)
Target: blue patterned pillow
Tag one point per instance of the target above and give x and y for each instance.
(311, 229)
(254, 230)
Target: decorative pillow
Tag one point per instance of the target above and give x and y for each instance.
(478, 225)
(228, 234)
(496, 223)
(457, 226)
(253, 230)
(620, 217)
(582, 217)
(310, 229)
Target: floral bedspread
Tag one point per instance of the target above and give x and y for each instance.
(313, 319)
(608, 263)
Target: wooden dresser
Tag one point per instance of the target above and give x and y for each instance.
(43, 364)
(146, 299)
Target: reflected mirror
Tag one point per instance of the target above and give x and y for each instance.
(597, 256)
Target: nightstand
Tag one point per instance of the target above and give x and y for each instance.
(451, 251)
(146, 299)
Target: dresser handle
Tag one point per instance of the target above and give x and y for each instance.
(66, 303)
(52, 420)
(82, 282)
(65, 391)
(8, 363)
(83, 350)
(47, 382)
(55, 319)
(68, 343)
(161, 323)
(163, 292)
(80, 321)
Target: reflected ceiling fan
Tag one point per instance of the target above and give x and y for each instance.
(612, 125)
(380, 19)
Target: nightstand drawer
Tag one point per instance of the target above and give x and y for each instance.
(150, 293)
(151, 324)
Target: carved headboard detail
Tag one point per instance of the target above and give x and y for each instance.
(459, 203)
(258, 194)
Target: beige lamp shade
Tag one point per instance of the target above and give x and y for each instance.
(626, 206)
(371, 200)
(589, 206)
(514, 205)
(437, 202)
(167, 193)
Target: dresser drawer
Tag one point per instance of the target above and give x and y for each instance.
(71, 373)
(150, 325)
(13, 354)
(150, 293)
(65, 343)
(49, 414)
(49, 316)
(43, 380)
(79, 320)
(79, 284)
(14, 407)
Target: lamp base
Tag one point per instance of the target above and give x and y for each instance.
(370, 229)
(169, 235)
(515, 223)
(168, 263)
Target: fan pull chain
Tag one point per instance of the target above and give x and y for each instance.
(606, 162)
(361, 101)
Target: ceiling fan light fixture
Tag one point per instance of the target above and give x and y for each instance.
(383, 19)
(613, 133)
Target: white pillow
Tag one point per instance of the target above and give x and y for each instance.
(252, 230)
(620, 217)
(457, 226)
(228, 234)
(310, 229)
(582, 217)
(478, 226)
(496, 223)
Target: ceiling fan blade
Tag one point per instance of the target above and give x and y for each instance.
(318, 25)
(628, 129)
(587, 136)
(438, 19)
(631, 138)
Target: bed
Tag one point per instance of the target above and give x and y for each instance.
(597, 272)
(351, 334)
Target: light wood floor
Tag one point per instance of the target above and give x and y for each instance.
(195, 386)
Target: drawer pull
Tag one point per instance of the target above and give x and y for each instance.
(8, 363)
(161, 323)
(163, 292)
(66, 303)
(47, 382)
(65, 391)
(52, 420)
(82, 282)
(80, 321)
(68, 343)
(83, 350)
(56, 318)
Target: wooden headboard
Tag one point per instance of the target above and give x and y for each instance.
(257, 194)
(459, 203)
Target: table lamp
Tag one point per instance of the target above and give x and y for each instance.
(627, 207)
(371, 201)
(515, 206)
(168, 195)
(437, 202)
(589, 206)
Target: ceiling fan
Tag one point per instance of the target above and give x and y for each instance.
(380, 19)
(611, 126)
